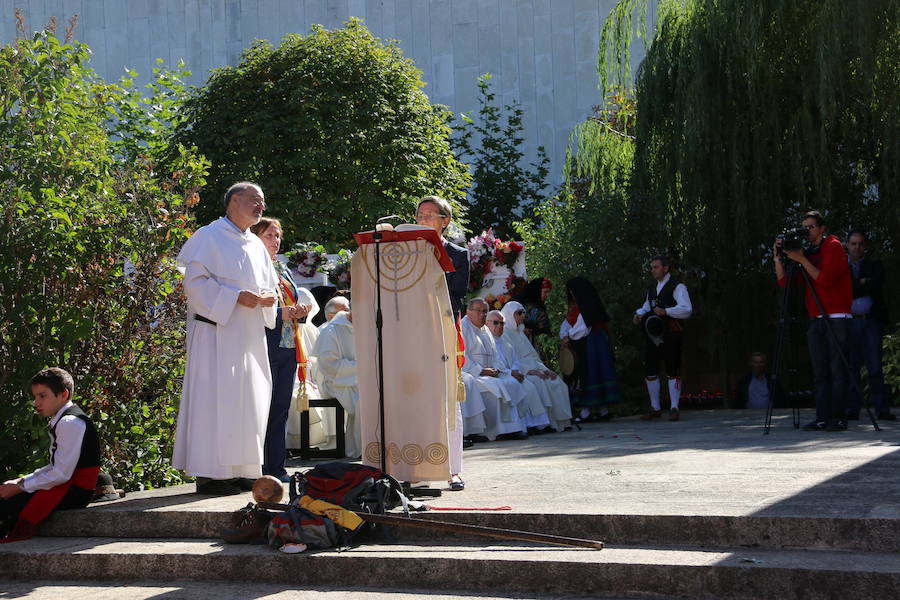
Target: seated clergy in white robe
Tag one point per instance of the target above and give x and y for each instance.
(335, 356)
(532, 408)
(500, 392)
(230, 285)
(553, 390)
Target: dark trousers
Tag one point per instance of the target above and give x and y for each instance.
(668, 352)
(74, 497)
(829, 373)
(283, 363)
(865, 349)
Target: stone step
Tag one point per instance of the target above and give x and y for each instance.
(508, 568)
(881, 535)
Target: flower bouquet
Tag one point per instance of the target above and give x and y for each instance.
(340, 272)
(507, 252)
(481, 258)
(497, 302)
(306, 258)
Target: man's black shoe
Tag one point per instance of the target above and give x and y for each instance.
(468, 444)
(886, 417)
(839, 425)
(476, 438)
(815, 426)
(245, 483)
(216, 487)
(518, 435)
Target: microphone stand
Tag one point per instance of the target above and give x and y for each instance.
(379, 326)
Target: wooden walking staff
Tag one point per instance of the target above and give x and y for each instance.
(495, 532)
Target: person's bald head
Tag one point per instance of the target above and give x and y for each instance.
(496, 322)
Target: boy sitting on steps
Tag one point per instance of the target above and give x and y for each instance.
(69, 480)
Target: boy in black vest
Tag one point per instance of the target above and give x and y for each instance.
(669, 301)
(68, 480)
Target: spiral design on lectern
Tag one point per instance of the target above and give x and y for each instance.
(436, 453)
(412, 454)
(373, 453)
(393, 453)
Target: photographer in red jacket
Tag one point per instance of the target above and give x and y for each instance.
(826, 264)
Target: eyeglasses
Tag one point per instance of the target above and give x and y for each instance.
(497, 322)
(429, 216)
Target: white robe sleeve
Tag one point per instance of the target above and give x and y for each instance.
(212, 299)
(472, 366)
(331, 363)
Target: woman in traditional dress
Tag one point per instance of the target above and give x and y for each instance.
(286, 351)
(585, 331)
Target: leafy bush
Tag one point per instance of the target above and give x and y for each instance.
(333, 125)
(590, 229)
(94, 205)
(504, 190)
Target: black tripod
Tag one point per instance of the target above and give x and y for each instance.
(790, 269)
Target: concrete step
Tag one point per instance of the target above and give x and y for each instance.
(881, 535)
(217, 590)
(507, 568)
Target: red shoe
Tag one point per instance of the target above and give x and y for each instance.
(23, 530)
(653, 414)
(674, 415)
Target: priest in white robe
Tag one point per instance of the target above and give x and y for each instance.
(553, 390)
(532, 408)
(335, 354)
(500, 393)
(230, 285)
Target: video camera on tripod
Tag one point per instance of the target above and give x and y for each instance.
(792, 239)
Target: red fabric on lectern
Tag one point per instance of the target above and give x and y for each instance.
(429, 235)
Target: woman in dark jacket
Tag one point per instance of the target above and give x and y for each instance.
(585, 331)
(285, 345)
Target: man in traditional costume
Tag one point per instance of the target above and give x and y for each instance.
(335, 355)
(230, 285)
(669, 300)
(532, 408)
(553, 390)
(500, 392)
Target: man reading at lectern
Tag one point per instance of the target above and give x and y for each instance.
(436, 212)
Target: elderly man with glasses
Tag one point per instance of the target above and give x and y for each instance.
(532, 407)
(501, 392)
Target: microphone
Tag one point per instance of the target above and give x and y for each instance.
(383, 219)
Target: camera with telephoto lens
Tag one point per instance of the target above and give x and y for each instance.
(792, 239)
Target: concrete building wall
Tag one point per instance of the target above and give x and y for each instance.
(541, 53)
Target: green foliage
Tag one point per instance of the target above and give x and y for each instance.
(504, 189)
(891, 363)
(94, 203)
(592, 228)
(335, 128)
(750, 113)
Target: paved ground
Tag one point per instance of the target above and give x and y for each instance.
(710, 463)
